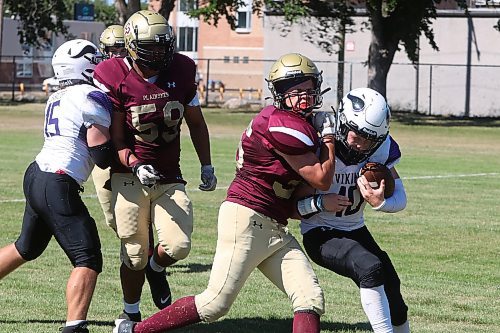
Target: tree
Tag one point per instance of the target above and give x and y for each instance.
(37, 19)
(393, 23)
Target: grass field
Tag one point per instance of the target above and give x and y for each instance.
(445, 245)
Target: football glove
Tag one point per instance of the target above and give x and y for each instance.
(325, 123)
(146, 173)
(208, 179)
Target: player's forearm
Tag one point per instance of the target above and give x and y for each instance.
(127, 157)
(201, 142)
(327, 159)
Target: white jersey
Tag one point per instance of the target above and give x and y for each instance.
(344, 183)
(68, 114)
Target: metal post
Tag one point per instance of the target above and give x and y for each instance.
(417, 75)
(468, 67)
(13, 76)
(207, 79)
(350, 76)
(430, 89)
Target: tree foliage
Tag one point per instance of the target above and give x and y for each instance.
(393, 23)
(37, 18)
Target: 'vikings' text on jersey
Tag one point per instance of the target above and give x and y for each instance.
(154, 109)
(264, 181)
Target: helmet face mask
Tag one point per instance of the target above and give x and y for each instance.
(74, 62)
(112, 42)
(364, 112)
(289, 71)
(149, 40)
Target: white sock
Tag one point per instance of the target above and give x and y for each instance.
(154, 266)
(74, 322)
(131, 308)
(376, 307)
(405, 328)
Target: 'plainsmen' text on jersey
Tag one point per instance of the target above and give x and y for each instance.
(344, 183)
(264, 181)
(68, 114)
(154, 109)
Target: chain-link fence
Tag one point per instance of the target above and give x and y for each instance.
(437, 89)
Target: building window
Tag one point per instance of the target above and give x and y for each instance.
(187, 39)
(244, 18)
(236, 59)
(227, 59)
(245, 60)
(187, 5)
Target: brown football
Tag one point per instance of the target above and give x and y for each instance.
(374, 173)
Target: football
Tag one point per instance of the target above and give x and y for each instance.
(374, 173)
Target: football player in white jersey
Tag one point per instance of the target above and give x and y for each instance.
(340, 240)
(76, 131)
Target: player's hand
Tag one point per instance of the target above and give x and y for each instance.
(146, 173)
(333, 202)
(208, 179)
(373, 196)
(325, 123)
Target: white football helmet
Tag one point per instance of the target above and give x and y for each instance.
(364, 111)
(74, 62)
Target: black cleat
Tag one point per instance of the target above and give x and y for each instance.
(135, 317)
(80, 328)
(160, 290)
(124, 326)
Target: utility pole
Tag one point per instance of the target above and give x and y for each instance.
(1, 27)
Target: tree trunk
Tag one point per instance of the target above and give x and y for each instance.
(166, 8)
(124, 10)
(383, 46)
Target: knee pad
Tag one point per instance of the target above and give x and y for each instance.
(371, 274)
(134, 256)
(177, 251)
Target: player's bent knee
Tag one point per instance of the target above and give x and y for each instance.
(371, 276)
(213, 311)
(134, 256)
(179, 251)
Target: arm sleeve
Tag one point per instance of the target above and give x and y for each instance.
(396, 202)
(96, 109)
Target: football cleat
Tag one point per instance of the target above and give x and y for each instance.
(80, 328)
(160, 289)
(135, 317)
(123, 326)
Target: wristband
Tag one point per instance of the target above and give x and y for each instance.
(310, 206)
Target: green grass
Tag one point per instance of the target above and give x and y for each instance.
(445, 245)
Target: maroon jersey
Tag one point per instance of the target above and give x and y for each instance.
(264, 181)
(154, 111)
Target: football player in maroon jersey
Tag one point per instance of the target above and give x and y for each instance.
(112, 44)
(277, 152)
(153, 90)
